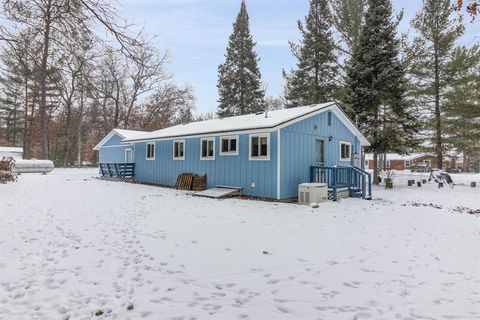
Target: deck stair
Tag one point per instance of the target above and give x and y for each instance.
(353, 180)
(121, 171)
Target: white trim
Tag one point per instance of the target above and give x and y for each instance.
(201, 143)
(259, 158)
(229, 153)
(118, 146)
(349, 154)
(278, 164)
(182, 141)
(131, 152)
(154, 151)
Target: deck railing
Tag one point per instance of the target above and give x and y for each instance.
(357, 181)
(118, 170)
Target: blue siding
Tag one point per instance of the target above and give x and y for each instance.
(113, 151)
(236, 171)
(298, 149)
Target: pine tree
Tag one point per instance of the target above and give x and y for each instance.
(239, 79)
(313, 81)
(376, 85)
(430, 53)
(12, 98)
(462, 104)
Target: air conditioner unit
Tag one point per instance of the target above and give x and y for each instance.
(309, 193)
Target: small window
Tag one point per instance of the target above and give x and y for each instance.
(408, 163)
(260, 147)
(151, 151)
(329, 118)
(207, 151)
(229, 146)
(366, 163)
(179, 150)
(345, 151)
(388, 164)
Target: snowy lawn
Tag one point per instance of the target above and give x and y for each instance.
(75, 247)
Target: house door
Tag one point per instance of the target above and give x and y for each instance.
(128, 156)
(320, 151)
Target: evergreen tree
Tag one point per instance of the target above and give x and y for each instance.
(376, 85)
(12, 99)
(431, 53)
(239, 79)
(313, 81)
(462, 104)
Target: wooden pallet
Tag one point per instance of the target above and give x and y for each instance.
(184, 181)
(199, 183)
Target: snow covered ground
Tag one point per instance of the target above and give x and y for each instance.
(75, 247)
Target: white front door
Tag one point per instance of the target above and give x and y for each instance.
(128, 156)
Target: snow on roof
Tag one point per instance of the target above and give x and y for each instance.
(128, 134)
(11, 149)
(396, 156)
(123, 133)
(256, 121)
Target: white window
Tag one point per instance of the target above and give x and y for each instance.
(408, 163)
(151, 151)
(345, 151)
(179, 150)
(260, 147)
(229, 146)
(207, 149)
(366, 163)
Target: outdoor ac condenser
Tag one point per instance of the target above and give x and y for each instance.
(309, 193)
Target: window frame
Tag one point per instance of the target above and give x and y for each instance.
(407, 163)
(250, 145)
(349, 149)
(131, 154)
(154, 151)
(182, 141)
(229, 153)
(207, 158)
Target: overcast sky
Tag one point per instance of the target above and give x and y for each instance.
(195, 32)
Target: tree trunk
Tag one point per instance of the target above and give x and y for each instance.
(66, 135)
(25, 123)
(438, 119)
(375, 167)
(43, 84)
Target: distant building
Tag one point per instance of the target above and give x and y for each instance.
(16, 153)
(397, 161)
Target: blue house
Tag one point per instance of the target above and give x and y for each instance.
(267, 155)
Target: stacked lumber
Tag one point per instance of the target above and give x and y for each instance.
(190, 181)
(6, 165)
(184, 181)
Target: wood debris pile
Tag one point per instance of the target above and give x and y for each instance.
(6, 165)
